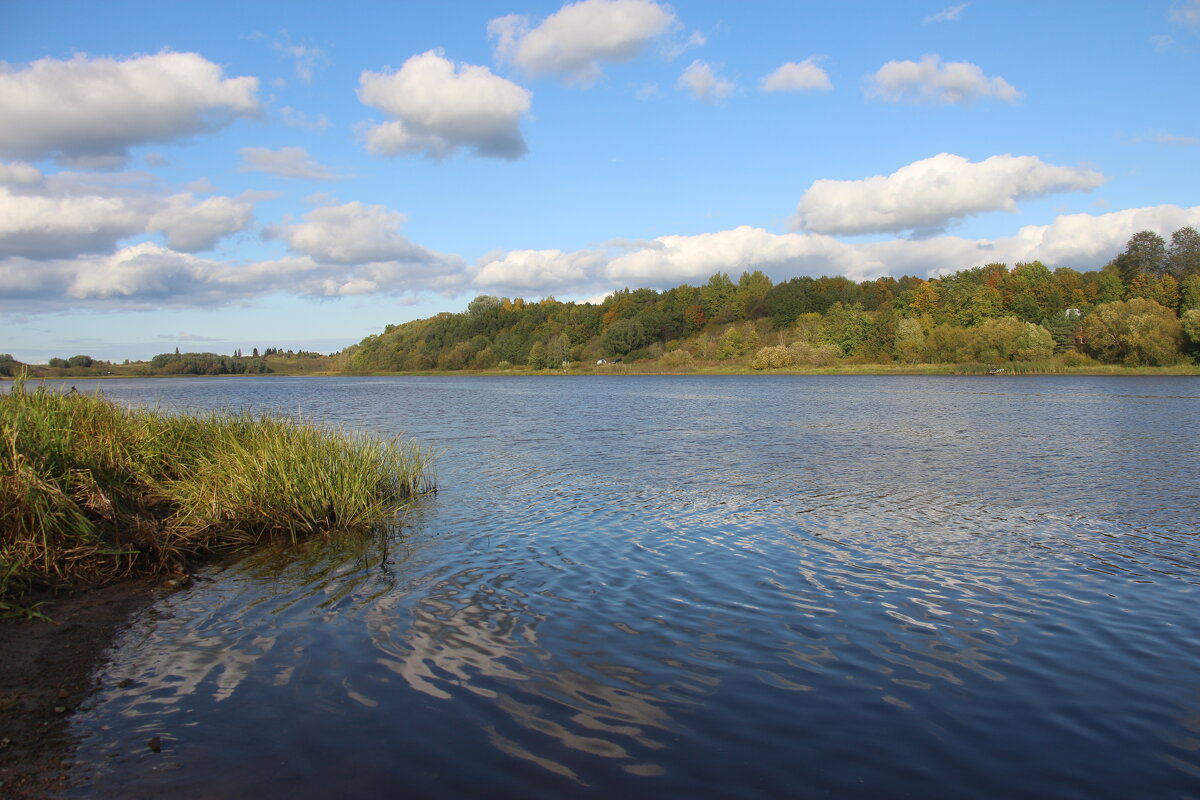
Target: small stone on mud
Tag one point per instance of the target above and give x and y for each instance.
(155, 744)
(60, 709)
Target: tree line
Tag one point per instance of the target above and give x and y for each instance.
(1142, 308)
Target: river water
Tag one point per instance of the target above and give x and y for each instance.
(764, 586)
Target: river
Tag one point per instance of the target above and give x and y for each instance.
(701, 587)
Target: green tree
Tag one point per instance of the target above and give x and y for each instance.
(1010, 339)
(623, 337)
(484, 304)
(910, 341)
(1183, 257)
(717, 297)
(950, 344)
(1134, 332)
(1146, 252)
(1111, 287)
(848, 327)
(1190, 323)
(558, 351)
(737, 341)
(750, 298)
(537, 356)
(1189, 292)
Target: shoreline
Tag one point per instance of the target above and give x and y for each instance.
(877, 370)
(47, 671)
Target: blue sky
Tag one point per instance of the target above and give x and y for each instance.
(213, 176)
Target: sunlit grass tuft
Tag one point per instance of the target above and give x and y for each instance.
(91, 491)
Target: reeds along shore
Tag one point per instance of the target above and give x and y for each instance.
(91, 492)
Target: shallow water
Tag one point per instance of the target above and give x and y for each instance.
(698, 587)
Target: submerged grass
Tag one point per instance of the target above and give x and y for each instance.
(91, 491)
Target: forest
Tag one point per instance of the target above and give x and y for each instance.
(1140, 309)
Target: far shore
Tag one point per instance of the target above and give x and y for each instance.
(652, 368)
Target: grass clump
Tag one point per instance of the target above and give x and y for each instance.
(91, 492)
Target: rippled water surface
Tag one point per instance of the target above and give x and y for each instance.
(698, 587)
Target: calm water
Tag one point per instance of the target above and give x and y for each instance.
(699, 587)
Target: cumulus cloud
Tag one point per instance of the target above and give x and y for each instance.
(573, 41)
(90, 111)
(948, 14)
(805, 76)
(1081, 241)
(543, 271)
(440, 108)
(66, 216)
(932, 81)
(703, 83)
(927, 195)
(149, 275)
(19, 174)
(350, 234)
(194, 226)
(286, 162)
(362, 249)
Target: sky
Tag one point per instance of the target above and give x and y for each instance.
(217, 176)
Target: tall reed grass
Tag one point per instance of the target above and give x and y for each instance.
(91, 491)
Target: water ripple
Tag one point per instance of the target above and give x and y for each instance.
(701, 587)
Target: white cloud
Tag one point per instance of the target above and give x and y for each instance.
(67, 216)
(439, 108)
(573, 41)
(1081, 241)
(355, 233)
(804, 76)
(1185, 13)
(704, 84)
(541, 270)
(195, 226)
(948, 14)
(90, 111)
(18, 173)
(927, 195)
(147, 275)
(37, 226)
(286, 162)
(932, 81)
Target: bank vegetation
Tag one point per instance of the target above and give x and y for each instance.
(91, 492)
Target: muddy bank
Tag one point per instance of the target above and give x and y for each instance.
(46, 671)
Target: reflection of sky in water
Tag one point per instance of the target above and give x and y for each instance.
(686, 585)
